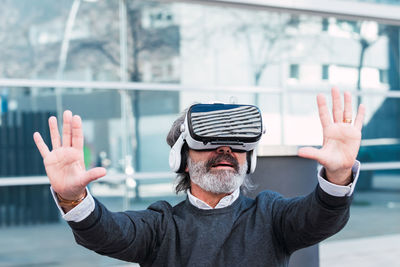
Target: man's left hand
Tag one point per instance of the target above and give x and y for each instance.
(341, 138)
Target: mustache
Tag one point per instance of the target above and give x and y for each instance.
(222, 157)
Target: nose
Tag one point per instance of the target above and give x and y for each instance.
(224, 150)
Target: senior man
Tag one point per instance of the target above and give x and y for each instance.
(216, 225)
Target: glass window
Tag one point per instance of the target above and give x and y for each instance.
(294, 71)
(176, 54)
(49, 40)
(383, 76)
(325, 72)
(325, 24)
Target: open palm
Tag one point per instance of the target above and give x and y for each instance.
(64, 164)
(341, 139)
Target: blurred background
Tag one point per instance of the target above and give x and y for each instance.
(129, 67)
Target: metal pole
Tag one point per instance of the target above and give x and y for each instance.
(124, 99)
(282, 104)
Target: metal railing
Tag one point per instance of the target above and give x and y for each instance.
(133, 181)
(282, 92)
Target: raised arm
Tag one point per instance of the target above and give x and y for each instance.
(64, 163)
(129, 235)
(341, 138)
(304, 221)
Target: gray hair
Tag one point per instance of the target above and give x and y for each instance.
(183, 179)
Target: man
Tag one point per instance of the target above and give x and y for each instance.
(216, 225)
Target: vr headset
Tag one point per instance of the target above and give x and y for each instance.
(209, 126)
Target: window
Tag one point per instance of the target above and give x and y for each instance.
(294, 21)
(383, 76)
(325, 24)
(158, 17)
(325, 72)
(294, 71)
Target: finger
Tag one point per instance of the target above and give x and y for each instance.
(41, 145)
(54, 133)
(323, 111)
(337, 110)
(309, 153)
(358, 123)
(77, 134)
(67, 118)
(93, 174)
(347, 113)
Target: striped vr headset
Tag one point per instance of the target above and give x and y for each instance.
(209, 126)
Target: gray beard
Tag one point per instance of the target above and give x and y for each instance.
(216, 181)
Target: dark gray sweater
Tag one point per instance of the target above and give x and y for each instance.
(260, 232)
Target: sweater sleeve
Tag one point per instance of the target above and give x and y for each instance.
(129, 236)
(304, 221)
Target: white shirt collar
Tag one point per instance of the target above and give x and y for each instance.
(224, 202)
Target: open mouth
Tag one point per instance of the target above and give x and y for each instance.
(223, 164)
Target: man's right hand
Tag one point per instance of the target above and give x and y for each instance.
(64, 164)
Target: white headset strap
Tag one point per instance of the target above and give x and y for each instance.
(175, 153)
(179, 142)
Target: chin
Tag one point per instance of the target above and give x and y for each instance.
(222, 170)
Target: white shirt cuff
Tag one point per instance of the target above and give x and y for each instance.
(339, 190)
(80, 212)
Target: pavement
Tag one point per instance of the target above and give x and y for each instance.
(375, 251)
(371, 237)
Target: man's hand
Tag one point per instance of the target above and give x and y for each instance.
(64, 164)
(341, 139)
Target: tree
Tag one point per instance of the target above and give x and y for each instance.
(20, 55)
(367, 34)
(266, 37)
(32, 34)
